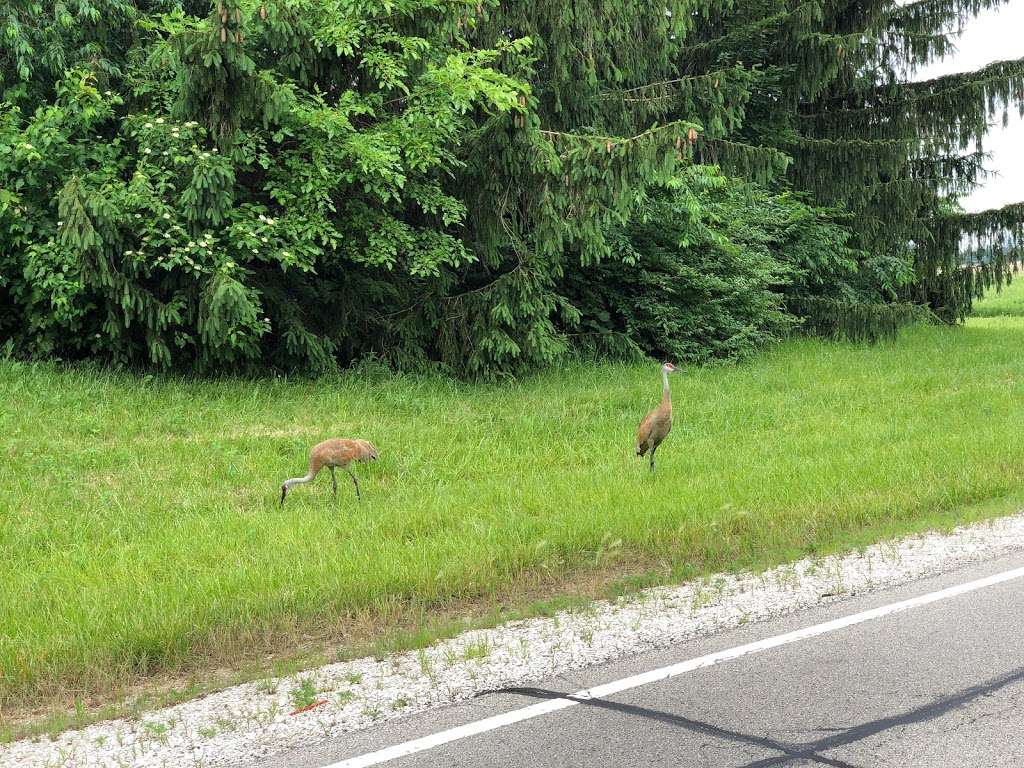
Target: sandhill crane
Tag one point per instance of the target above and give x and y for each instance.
(657, 423)
(336, 452)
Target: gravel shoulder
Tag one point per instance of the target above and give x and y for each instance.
(240, 725)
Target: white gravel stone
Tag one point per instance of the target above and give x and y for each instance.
(240, 724)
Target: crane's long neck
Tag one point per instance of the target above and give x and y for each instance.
(298, 480)
(666, 396)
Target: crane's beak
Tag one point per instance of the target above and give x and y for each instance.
(284, 492)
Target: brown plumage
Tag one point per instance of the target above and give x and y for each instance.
(336, 452)
(656, 424)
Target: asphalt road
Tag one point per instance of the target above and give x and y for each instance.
(936, 685)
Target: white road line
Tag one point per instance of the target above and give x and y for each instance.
(664, 673)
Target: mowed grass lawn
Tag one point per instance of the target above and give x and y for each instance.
(140, 530)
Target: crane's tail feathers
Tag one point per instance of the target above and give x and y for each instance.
(641, 449)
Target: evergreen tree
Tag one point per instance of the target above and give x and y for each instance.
(546, 188)
(818, 88)
(831, 90)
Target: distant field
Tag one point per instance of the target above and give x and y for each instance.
(140, 531)
(1008, 301)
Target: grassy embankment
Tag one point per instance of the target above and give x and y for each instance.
(140, 534)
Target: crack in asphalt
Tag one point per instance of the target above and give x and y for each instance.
(791, 751)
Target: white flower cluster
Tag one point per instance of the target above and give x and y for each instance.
(204, 244)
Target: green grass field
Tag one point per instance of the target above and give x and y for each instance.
(1008, 301)
(140, 532)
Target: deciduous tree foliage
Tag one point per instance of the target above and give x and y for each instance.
(256, 185)
(293, 185)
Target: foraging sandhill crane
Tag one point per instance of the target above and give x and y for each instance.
(336, 452)
(656, 424)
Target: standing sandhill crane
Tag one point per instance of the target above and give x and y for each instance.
(657, 423)
(336, 452)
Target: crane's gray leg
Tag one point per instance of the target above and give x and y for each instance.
(334, 482)
(652, 457)
(354, 481)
